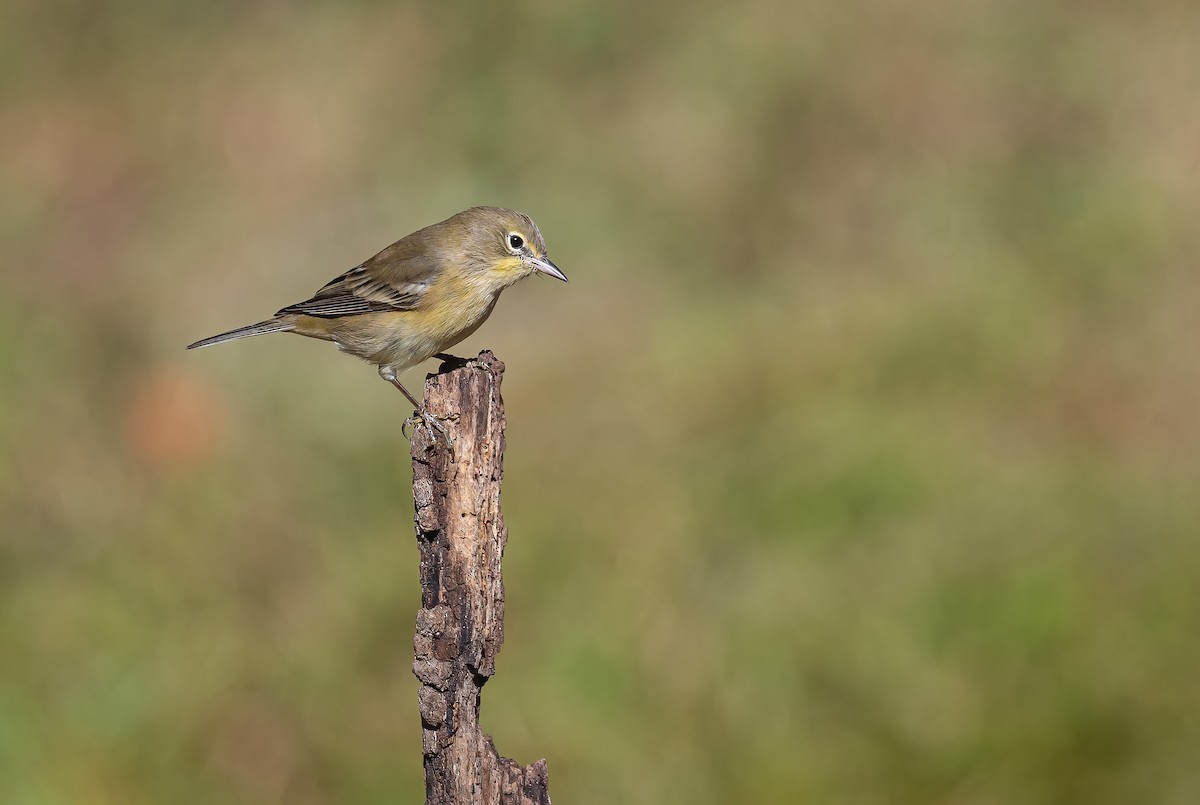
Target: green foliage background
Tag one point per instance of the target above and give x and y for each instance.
(859, 462)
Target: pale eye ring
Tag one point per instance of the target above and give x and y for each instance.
(515, 241)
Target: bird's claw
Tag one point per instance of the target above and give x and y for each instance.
(432, 424)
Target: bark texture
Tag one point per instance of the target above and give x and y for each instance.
(460, 626)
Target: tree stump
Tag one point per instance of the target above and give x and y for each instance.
(461, 534)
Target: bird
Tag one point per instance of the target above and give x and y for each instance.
(419, 296)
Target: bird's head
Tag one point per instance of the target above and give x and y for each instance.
(505, 245)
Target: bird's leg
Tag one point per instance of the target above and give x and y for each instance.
(421, 416)
(453, 360)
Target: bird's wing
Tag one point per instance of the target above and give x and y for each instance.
(394, 279)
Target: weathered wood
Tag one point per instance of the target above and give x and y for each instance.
(460, 626)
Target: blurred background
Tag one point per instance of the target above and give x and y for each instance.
(858, 462)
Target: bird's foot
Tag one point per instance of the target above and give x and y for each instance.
(424, 419)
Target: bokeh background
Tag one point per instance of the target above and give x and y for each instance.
(859, 462)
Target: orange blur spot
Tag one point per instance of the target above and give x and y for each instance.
(174, 419)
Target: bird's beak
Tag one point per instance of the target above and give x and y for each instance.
(544, 265)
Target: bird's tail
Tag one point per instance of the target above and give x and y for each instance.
(268, 326)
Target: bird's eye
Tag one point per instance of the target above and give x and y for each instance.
(515, 242)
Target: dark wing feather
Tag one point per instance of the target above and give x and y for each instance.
(395, 279)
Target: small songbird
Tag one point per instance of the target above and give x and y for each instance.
(418, 297)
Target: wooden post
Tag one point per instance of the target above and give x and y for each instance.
(460, 626)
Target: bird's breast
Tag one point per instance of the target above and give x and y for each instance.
(454, 308)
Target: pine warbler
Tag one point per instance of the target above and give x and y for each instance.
(418, 297)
